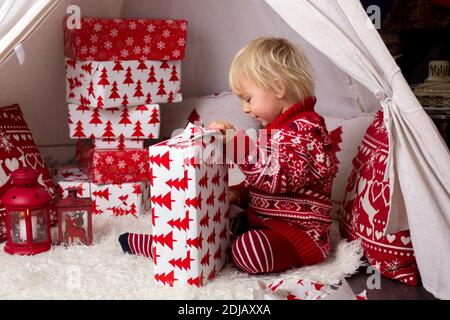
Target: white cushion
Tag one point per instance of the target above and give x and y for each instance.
(353, 130)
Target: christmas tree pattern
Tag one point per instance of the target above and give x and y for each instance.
(103, 78)
(174, 74)
(124, 117)
(79, 131)
(151, 76)
(108, 134)
(114, 92)
(154, 118)
(118, 66)
(161, 92)
(138, 91)
(128, 77)
(95, 117)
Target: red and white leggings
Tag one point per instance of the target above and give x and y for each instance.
(258, 249)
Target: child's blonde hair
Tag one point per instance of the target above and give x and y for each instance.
(265, 59)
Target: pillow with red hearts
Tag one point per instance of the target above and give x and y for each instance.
(17, 150)
(366, 206)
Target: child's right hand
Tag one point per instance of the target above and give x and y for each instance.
(226, 128)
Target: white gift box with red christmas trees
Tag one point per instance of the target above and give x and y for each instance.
(110, 199)
(109, 84)
(190, 210)
(137, 123)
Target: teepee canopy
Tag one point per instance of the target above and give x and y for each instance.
(354, 72)
(419, 161)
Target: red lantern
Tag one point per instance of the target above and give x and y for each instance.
(74, 219)
(27, 214)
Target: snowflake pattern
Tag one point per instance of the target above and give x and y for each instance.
(148, 38)
(94, 38)
(176, 53)
(132, 25)
(114, 33)
(166, 33)
(5, 143)
(161, 45)
(108, 160)
(146, 50)
(108, 45)
(124, 53)
(137, 50)
(151, 28)
(135, 157)
(129, 41)
(97, 27)
(121, 164)
(393, 265)
(93, 50)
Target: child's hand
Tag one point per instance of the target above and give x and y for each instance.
(227, 129)
(232, 197)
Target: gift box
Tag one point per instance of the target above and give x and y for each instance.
(119, 144)
(190, 209)
(110, 84)
(125, 39)
(141, 122)
(118, 166)
(110, 199)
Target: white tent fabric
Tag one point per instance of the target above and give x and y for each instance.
(419, 165)
(18, 18)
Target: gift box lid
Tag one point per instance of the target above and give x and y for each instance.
(104, 39)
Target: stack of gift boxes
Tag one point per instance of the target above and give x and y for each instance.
(117, 73)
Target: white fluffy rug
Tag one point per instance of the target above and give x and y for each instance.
(102, 271)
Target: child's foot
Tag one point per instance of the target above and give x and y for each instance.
(138, 244)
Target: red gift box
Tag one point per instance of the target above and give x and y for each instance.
(118, 166)
(126, 39)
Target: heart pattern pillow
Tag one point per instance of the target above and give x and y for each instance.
(364, 213)
(17, 150)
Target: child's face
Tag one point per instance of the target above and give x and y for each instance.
(261, 104)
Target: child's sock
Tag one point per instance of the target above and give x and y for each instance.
(134, 243)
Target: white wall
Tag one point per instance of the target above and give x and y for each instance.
(39, 85)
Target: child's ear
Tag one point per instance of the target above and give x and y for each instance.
(280, 88)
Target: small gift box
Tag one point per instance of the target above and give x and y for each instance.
(111, 84)
(118, 166)
(190, 210)
(109, 199)
(141, 122)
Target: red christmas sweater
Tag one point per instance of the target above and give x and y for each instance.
(290, 170)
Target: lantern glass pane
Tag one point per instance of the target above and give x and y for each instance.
(39, 225)
(18, 226)
(74, 226)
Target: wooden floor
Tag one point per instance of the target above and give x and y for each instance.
(389, 289)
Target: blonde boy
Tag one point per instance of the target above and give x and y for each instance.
(287, 189)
